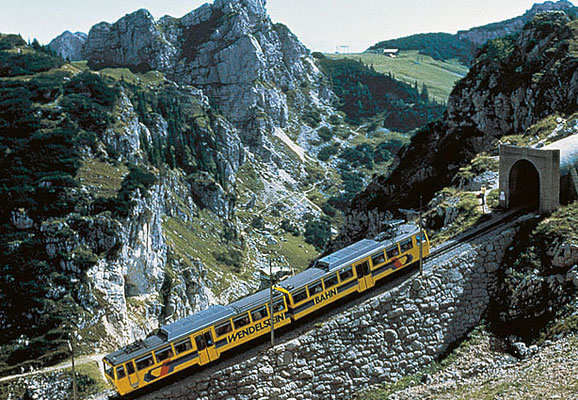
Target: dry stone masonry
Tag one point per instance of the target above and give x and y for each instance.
(383, 339)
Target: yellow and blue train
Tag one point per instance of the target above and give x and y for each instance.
(202, 337)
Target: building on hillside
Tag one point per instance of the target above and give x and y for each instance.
(390, 52)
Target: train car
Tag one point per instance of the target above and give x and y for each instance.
(355, 268)
(201, 338)
(195, 340)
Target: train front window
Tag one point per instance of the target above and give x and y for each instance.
(108, 371)
(163, 354)
(259, 314)
(144, 362)
(223, 329)
(120, 372)
(378, 258)
(330, 281)
(345, 274)
(406, 245)
(392, 252)
(183, 345)
(241, 321)
(299, 296)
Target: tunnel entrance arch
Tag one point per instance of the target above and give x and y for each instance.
(529, 175)
(524, 184)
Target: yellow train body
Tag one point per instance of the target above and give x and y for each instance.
(202, 338)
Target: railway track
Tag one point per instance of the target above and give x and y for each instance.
(293, 331)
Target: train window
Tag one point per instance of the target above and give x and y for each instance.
(345, 274)
(278, 305)
(120, 372)
(392, 252)
(241, 321)
(378, 258)
(406, 245)
(299, 296)
(163, 354)
(259, 314)
(330, 281)
(317, 287)
(183, 345)
(130, 368)
(108, 370)
(200, 342)
(144, 362)
(223, 329)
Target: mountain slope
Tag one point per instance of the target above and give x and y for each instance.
(513, 83)
(463, 45)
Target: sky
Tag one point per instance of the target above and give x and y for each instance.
(320, 24)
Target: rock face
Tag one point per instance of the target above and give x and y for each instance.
(69, 45)
(252, 70)
(482, 34)
(383, 339)
(513, 84)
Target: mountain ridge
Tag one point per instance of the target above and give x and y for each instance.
(464, 43)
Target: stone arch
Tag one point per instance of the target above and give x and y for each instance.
(528, 175)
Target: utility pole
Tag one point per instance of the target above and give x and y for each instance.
(271, 311)
(420, 241)
(71, 348)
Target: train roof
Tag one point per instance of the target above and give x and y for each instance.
(349, 254)
(197, 321)
(135, 349)
(168, 333)
(254, 300)
(303, 278)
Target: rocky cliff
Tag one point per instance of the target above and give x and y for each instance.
(514, 83)
(69, 45)
(252, 70)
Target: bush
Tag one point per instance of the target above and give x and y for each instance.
(318, 233)
(232, 257)
(16, 64)
(312, 117)
(327, 152)
(290, 228)
(325, 133)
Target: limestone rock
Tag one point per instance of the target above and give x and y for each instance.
(69, 45)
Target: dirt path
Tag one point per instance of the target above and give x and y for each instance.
(68, 364)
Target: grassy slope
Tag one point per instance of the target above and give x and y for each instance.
(409, 67)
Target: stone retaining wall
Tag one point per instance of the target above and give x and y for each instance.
(383, 339)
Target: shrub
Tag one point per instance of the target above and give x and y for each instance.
(318, 233)
(325, 134)
(288, 227)
(327, 152)
(312, 117)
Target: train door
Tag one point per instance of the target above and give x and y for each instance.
(364, 276)
(132, 376)
(206, 347)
